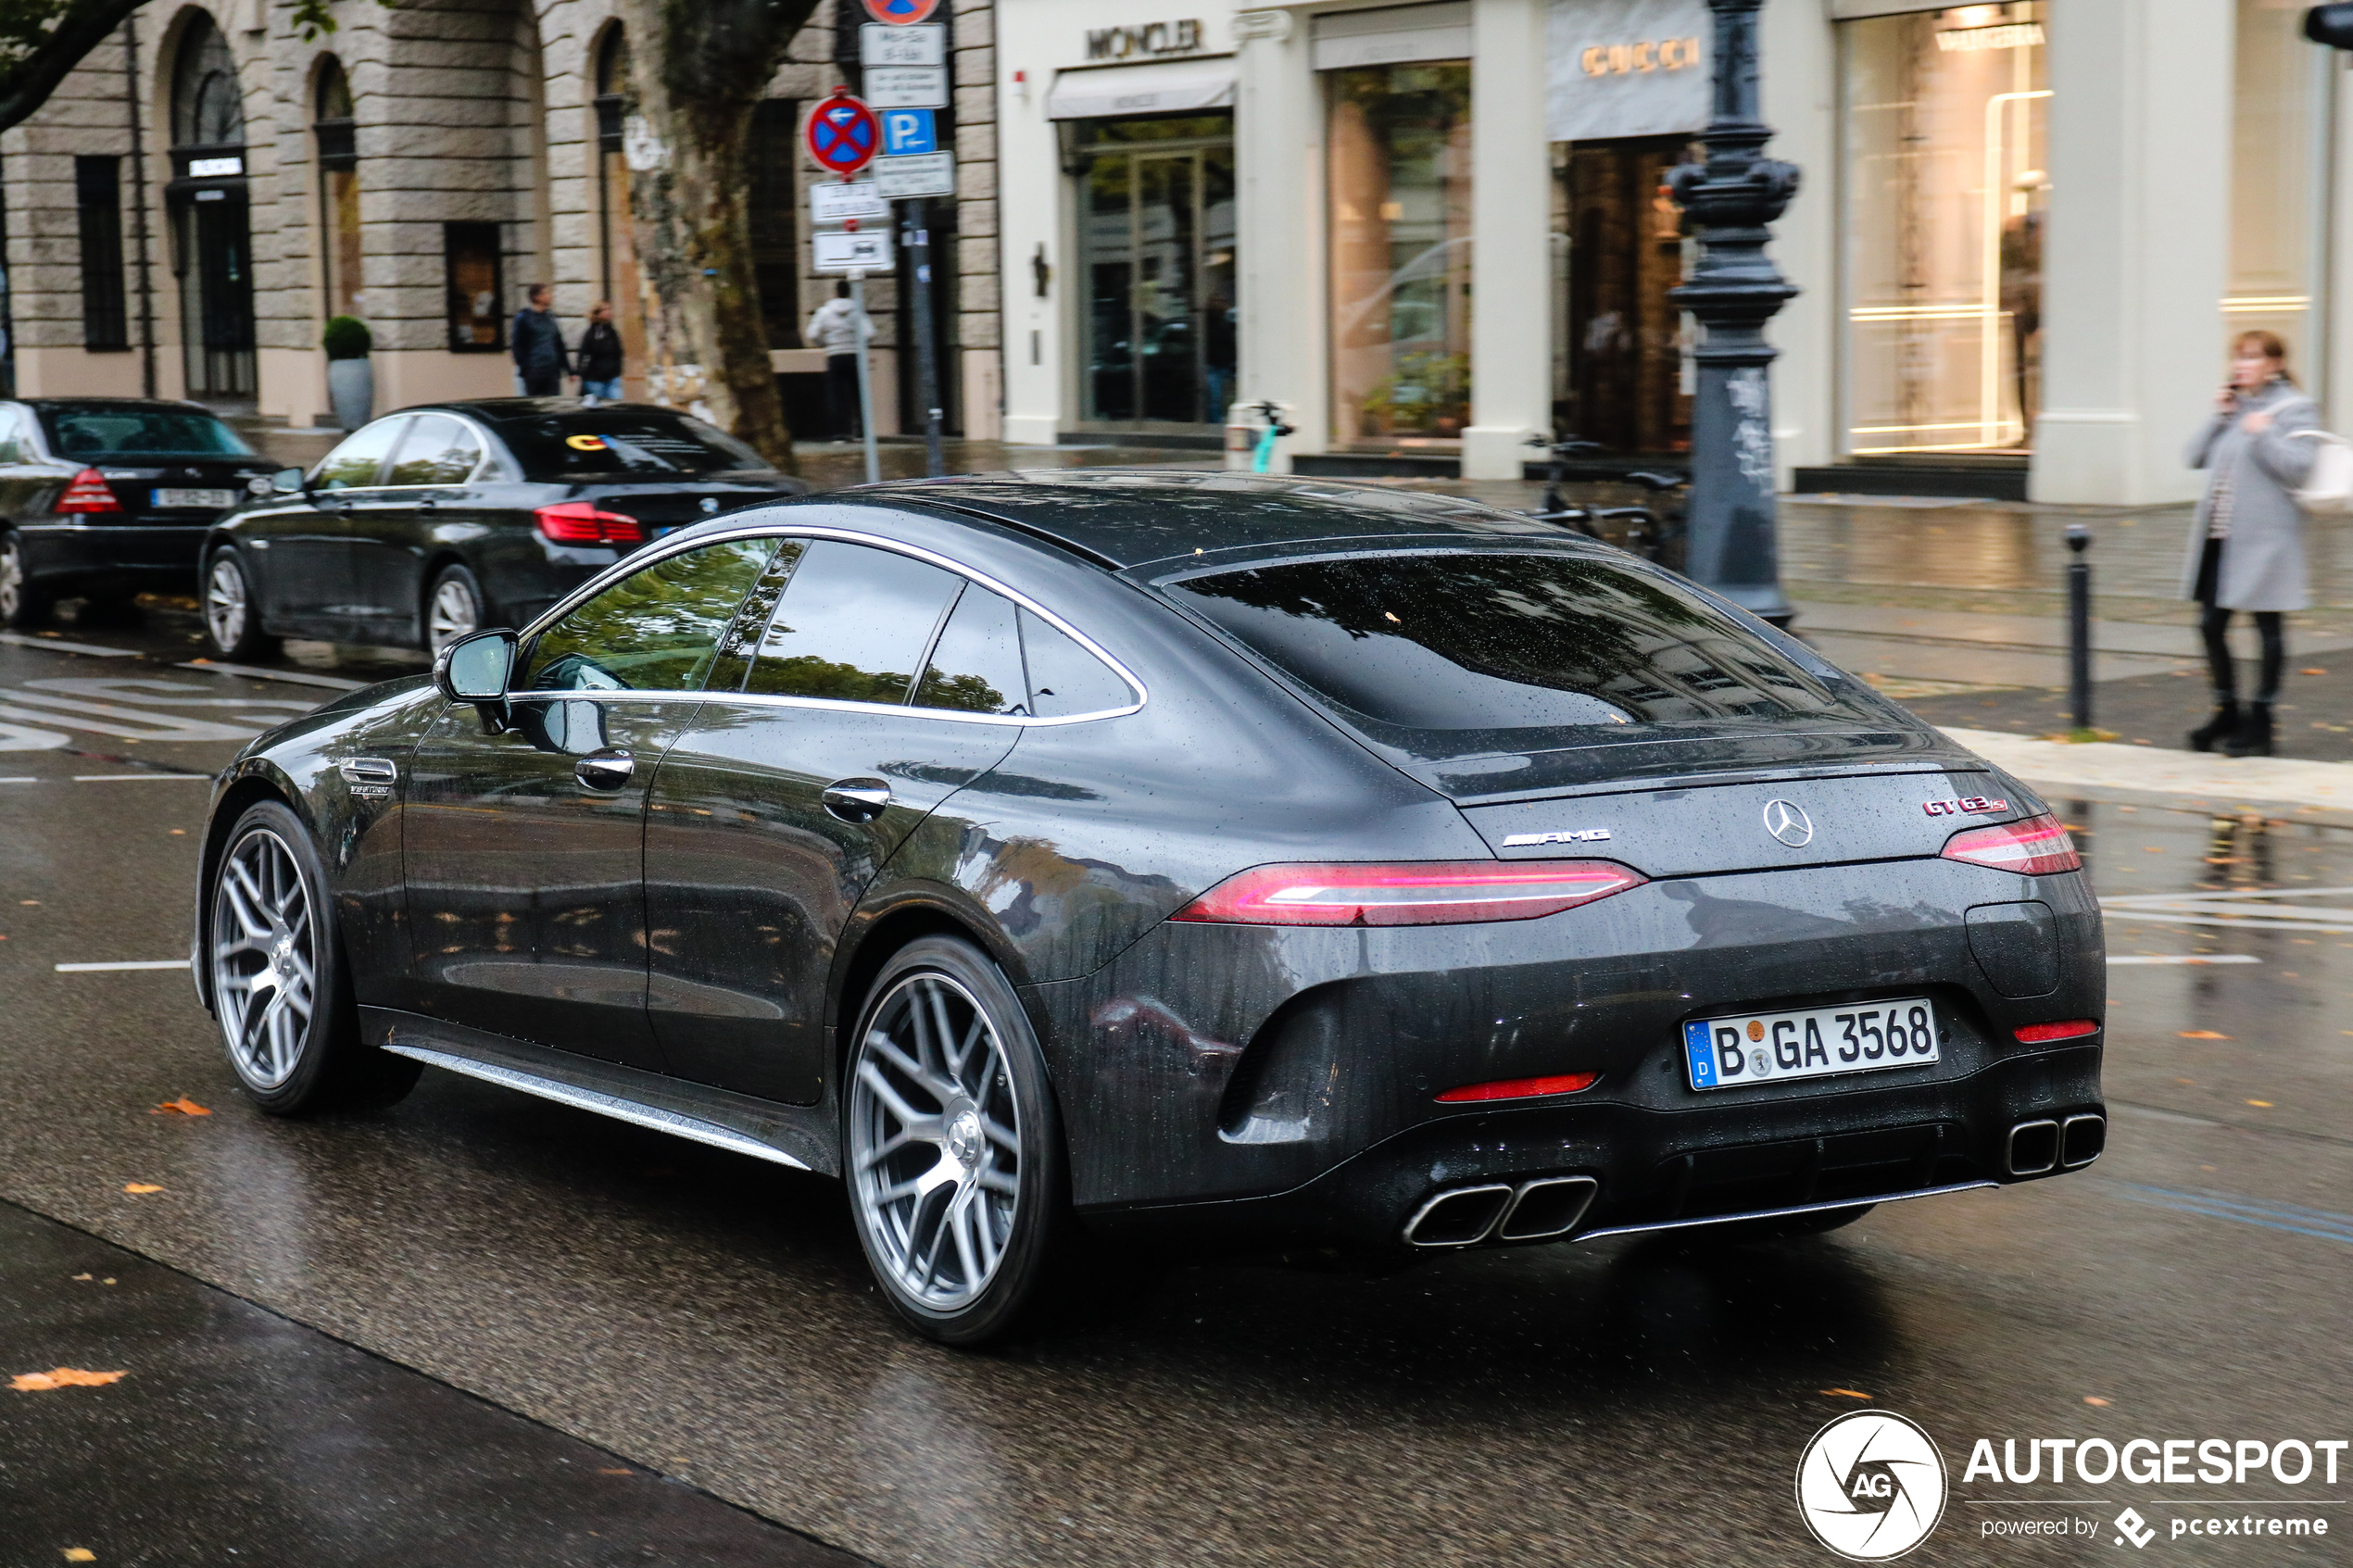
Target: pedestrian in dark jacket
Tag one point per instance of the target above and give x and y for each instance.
(2247, 537)
(540, 359)
(599, 360)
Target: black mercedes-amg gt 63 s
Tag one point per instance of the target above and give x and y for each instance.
(1284, 860)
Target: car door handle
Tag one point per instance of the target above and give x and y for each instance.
(856, 800)
(609, 769)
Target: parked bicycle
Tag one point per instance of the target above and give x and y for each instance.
(1654, 533)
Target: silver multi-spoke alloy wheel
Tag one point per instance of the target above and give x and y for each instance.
(265, 958)
(12, 584)
(935, 1142)
(455, 613)
(226, 604)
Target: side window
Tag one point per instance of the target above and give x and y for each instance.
(437, 450)
(977, 666)
(11, 438)
(353, 465)
(1064, 679)
(853, 625)
(657, 629)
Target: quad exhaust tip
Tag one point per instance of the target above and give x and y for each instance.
(1535, 1210)
(2082, 1140)
(2038, 1147)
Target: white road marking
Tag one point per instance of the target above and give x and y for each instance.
(20, 737)
(293, 677)
(2185, 959)
(113, 719)
(58, 644)
(19, 781)
(2245, 909)
(137, 778)
(122, 963)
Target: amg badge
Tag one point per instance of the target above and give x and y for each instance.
(1968, 805)
(1570, 835)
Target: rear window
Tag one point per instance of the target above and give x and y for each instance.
(1432, 644)
(100, 431)
(598, 443)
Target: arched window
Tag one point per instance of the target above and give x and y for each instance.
(208, 109)
(338, 192)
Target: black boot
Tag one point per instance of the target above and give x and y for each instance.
(2224, 724)
(2253, 738)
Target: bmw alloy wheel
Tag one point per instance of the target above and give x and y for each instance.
(226, 606)
(454, 613)
(935, 1142)
(265, 958)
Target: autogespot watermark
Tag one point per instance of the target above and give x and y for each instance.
(1873, 1486)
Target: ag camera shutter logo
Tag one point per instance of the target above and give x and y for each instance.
(1871, 1486)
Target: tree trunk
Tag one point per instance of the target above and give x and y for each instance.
(698, 68)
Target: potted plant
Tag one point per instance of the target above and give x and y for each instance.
(351, 379)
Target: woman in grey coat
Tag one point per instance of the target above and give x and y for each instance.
(2246, 542)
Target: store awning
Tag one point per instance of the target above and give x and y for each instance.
(1162, 87)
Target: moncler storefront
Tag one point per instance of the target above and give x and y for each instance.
(1430, 232)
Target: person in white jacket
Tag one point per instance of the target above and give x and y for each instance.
(832, 327)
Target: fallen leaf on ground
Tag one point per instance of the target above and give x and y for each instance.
(140, 1186)
(1847, 1393)
(85, 1276)
(2094, 1400)
(81, 1554)
(63, 1377)
(183, 1106)
(610, 1471)
(2312, 672)
(2202, 1035)
(2262, 1104)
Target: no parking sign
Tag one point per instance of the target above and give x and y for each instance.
(842, 134)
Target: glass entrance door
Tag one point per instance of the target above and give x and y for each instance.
(1621, 376)
(215, 263)
(1156, 236)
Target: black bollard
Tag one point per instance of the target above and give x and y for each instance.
(2079, 627)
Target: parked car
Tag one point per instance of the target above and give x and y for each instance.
(106, 497)
(438, 520)
(1281, 859)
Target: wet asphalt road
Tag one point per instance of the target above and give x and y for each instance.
(548, 1292)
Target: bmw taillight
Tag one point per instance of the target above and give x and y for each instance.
(1415, 892)
(89, 493)
(2036, 846)
(582, 522)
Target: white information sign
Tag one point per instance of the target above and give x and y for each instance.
(923, 174)
(907, 87)
(921, 46)
(865, 251)
(838, 203)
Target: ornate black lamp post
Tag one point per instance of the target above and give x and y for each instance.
(1734, 290)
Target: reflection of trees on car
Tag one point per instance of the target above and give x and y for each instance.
(655, 630)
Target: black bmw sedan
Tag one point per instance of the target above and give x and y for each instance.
(1271, 859)
(441, 519)
(106, 497)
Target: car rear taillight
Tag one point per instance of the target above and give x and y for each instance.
(2040, 1033)
(582, 522)
(89, 493)
(2036, 846)
(1520, 1089)
(1422, 893)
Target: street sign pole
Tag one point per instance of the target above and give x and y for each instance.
(915, 233)
(865, 376)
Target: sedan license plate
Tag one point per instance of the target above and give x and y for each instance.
(1772, 1048)
(195, 500)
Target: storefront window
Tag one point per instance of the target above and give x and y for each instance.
(2278, 123)
(1156, 230)
(1401, 225)
(1946, 195)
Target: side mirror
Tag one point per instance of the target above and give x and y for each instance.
(286, 481)
(476, 668)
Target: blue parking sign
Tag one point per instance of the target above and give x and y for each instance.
(908, 130)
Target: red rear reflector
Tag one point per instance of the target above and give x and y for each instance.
(88, 492)
(582, 522)
(1416, 893)
(2036, 846)
(2036, 1034)
(1520, 1089)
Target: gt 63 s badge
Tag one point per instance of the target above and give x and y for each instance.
(1968, 805)
(1871, 1486)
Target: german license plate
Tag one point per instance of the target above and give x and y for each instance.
(195, 500)
(1772, 1048)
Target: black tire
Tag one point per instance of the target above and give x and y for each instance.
(454, 607)
(932, 1256)
(24, 604)
(232, 609)
(279, 986)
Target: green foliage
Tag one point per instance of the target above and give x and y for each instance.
(346, 338)
(311, 20)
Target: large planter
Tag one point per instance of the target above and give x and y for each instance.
(351, 387)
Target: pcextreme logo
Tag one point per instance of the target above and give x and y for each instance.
(1871, 1486)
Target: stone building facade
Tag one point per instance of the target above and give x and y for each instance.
(208, 188)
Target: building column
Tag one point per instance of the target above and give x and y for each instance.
(1278, 144)
(1799, 81)
(2137, 252)
(1511, 378)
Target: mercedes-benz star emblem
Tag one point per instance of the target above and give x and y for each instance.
(1789, 824)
